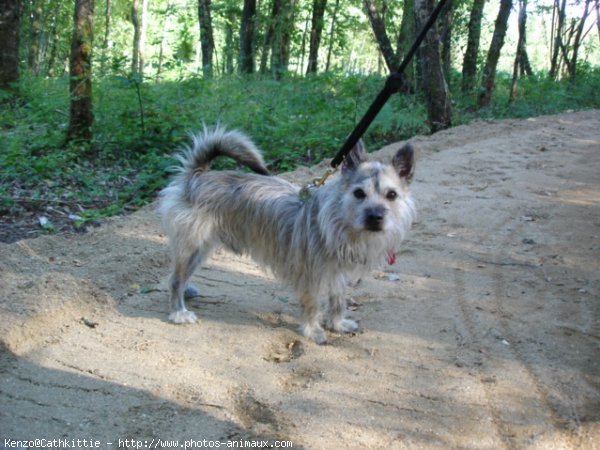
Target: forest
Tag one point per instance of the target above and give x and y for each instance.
(95, 95)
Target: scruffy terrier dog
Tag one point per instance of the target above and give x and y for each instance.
(317, 244)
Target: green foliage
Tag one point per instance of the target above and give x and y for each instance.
(537, 95)
(295, 121)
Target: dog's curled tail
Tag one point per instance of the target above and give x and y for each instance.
(212, 143)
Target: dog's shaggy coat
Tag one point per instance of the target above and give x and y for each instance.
(317, 245)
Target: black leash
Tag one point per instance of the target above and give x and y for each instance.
(393, 84)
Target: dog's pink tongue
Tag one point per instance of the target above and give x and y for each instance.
(391, 257)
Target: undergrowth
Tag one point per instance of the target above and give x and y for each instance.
(138, 126)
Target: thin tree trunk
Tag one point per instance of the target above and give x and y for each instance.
(445, 30)
(316, 29)
(137, 36)
(331, 34)
(143, 33)
(197, 54)
(229, 46)
(33, 57)
(381, 36)
(139, 20)
(163, 41)
(552, 31)
(390, 57)
(524, 64)
(105, 43)
(597, 2)
(560, 13)
(206, 37)
(520, 49)
(439, 109)
(10, 19)
(469, 70)
(270, 35)
(280, 52)
(300, 65)
(247, 30)
(81, 116)
(53, 45)
(489, 71)
(105, 40)
(406, 37)
(577, 41)
(286, 36)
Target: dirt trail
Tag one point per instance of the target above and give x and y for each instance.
(485, 334)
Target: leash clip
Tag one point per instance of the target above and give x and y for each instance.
(317, 182)
(306, 190)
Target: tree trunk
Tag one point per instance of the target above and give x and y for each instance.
(163, 40)
(560, 12)
(520, 49)
(33, 57)
(106, 37)
(489, 71)
(406, 37)
(137, 36)
(81, 116)
(524, 64)
(206, 37)
(381, 36)
(10, 18)
(469, 70)
(269, 35)
(316, 30)
(446, 37)
(331, 34)
(139, 20)
(105, 42)
(280, 51)
(247, 29)
(229, 45)
(577, 41)
(53, 45)
(300, 64)
(439, 109)
(598, 18)
(143, 34)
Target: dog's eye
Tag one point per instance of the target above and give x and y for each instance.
(359, 194)
(391, 195)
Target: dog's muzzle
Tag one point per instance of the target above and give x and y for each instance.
(374, 218)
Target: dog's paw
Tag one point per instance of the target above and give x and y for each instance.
(191, 291)
(183, 316)
(314, 333)
(345, 326)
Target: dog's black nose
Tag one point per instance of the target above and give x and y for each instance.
(374, 219)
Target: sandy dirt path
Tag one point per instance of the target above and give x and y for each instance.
(485, 334)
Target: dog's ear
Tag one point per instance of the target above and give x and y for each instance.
(404, 162)
(356, 156)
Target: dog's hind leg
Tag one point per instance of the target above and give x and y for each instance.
(335, 318)
(195, 260)
(184, 265)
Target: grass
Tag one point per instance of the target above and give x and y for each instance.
(139, 125)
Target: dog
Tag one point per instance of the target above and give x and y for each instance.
(317, 245)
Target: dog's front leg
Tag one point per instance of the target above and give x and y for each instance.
(312, 318)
